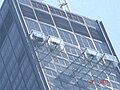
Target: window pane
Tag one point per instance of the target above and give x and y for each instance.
(8, 20)
(85, 42)
(96, 34)
(44, 17)
(48, 30)
(32, 25)
(62, 23)
(67, 37)
(39, 6)
(25, 2)
(28, 12)
(80, 29)
(2, 34)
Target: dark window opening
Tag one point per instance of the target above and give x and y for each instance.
(102, 47)
(80, 29)
(40, 6)
(96, 34)
(44, 17)
(75, 17)
(28, 12)
(57, 11)
(62, 23)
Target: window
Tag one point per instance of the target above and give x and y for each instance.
(48, 30)
(27, 11)
(92, 23)
(44, 17)
(25, 2)
(102, 26)
(85, 42)
(62, 23)
(102, 47)
(67, 37)
(2, 34)
(8, 20)
(75, 17)
(57, 11)
(72, 50)
(96, 34)
(39, 6)
(32, 25)
(79, 28)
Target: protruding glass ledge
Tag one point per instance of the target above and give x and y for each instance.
(37, 36)
(91, 52)
(55, 43)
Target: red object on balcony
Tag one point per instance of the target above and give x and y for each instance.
(91, 81)
(103, 81)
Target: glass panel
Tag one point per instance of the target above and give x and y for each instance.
(96, 34)
(57, 11)
(32, 25)
(75, 17)
(2, 34)
(25, 2)
(62, 23)
(79, 28)
(102, 47)
(92, 23)
(67, 37)
(48, 30)
(8, 20)
(44, 17)
(39, 6)
(85, 42)
(27, 11)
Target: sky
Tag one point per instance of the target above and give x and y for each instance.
(107, 11)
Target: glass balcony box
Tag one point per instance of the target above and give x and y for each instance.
(94, 53)
(55, 43)
(38, 37)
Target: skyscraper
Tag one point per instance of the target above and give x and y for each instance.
(46, 48)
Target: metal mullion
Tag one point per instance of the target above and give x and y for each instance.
(89, 70)
(73, 62)
(78, 68)
(100, 73)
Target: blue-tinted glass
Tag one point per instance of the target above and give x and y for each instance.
(25, 2)
(44, 17)
(27, 11)
(91, 44)
(105, 48)
(92, 23)
(85, 42)
(8, 20)
(97, 44)
(96, 34)
(32, 25)
(80, 40)
(57, 11)
(67, 37)
(8, 86)
(4, 79)
(39, 6)
(102, 26)
(79, 28)
(2, 34)
(62, 23)
(48, 30)
(102, 47)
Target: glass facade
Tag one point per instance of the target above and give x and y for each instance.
(71, 50)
